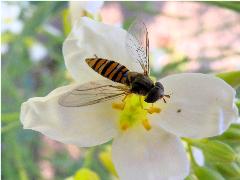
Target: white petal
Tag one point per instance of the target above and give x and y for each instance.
(88, 38)
(149, 155)
(83, 126)
(200, 105)
(94, 6)
(77, 8)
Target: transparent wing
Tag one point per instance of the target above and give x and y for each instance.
(137, 44)
(92, 93)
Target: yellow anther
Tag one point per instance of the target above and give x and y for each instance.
(124, 126)
(134, 111)
(146, 124)
(153, 109)
(119, 106)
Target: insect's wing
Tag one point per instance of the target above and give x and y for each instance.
(137, 44)
(92, 93)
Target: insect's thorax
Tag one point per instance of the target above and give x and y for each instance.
(140, 83)
(109, 69)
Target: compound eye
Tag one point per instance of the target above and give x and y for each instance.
(158, 84)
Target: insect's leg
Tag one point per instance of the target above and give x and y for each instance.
(120, 106)
(125, 97)
(95, 56)
(164, 100)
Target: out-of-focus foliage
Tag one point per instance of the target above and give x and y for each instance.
(29, 155)
(227, 4)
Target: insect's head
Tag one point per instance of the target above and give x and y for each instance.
(156, 93)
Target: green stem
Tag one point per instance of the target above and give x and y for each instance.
(10, 126)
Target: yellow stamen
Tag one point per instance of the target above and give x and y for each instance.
(8, 20)
(153, 109)
(118, 106)
(134, 111)
(146, 124)
(125, 126)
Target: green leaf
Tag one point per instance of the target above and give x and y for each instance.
(232, 78)
(227, 4)
(10, 117)
(10, 126)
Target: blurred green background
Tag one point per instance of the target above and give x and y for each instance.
(202, 37)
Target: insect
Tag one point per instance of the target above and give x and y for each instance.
(123, 81)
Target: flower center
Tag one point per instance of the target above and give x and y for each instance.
(134, 111)
(8, 20)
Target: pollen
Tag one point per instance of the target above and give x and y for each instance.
(146, 124)
(153, 109)
(133, 111)
(118, 106)
(124, 126)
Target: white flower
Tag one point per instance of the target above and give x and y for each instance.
(37, 52)
(200, 106)
(9, 18)
(77, 8)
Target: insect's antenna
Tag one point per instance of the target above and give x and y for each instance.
(167, 96)
(164, 100)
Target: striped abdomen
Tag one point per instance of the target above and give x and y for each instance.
(109, 69)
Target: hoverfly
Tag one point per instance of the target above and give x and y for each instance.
(124, 81)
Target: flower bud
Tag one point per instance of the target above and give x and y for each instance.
(217, 151)
(86, 174)
(230, 170)
(106, 159)
(191, 177)
(232, 134)
(207, 173)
